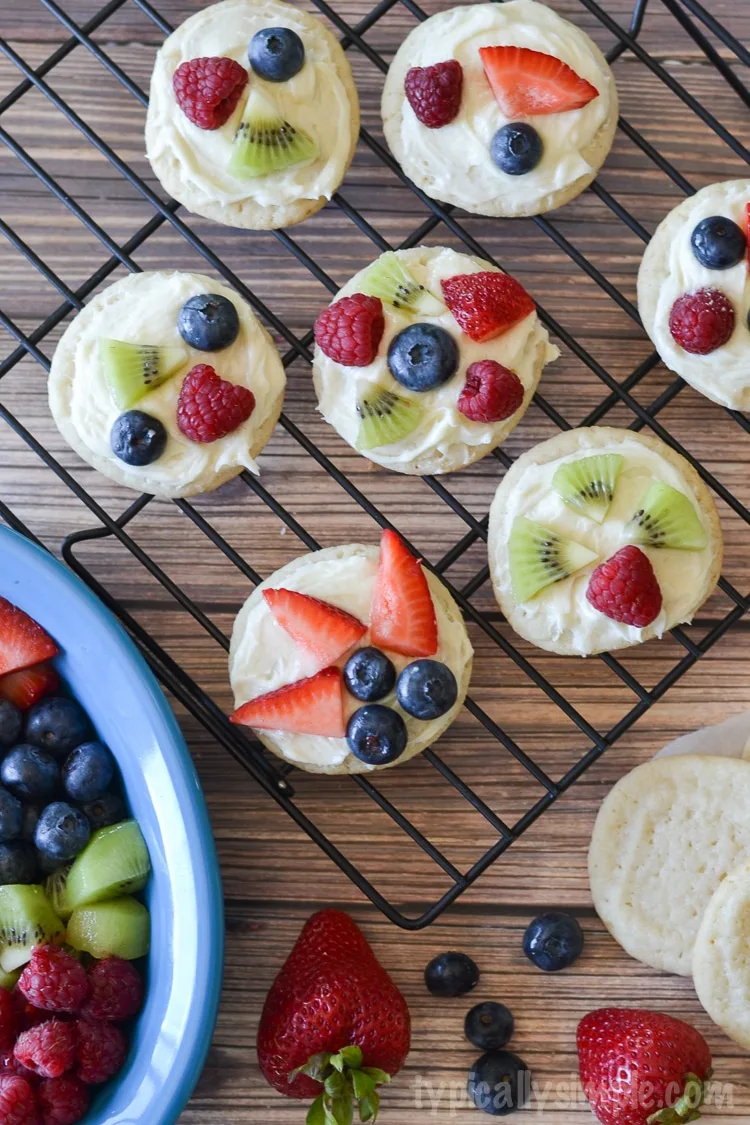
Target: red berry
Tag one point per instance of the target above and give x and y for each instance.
(49, 1049)
(101, 1051)
(625, 588)
(486, 304)
(9, 1064)
(491, 392)
(116, 990)
(350, 330)
(8, 1020)
(17, 1101)
(54, 980)
(528, 83)
(208, 90)
(402, 614)
(63, 1101)
(28, 685)
(23, 641)
(209, 407)
(434, 92)
(26, 1014)
(702, 321)
(314, 705)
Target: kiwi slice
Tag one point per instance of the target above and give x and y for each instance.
(56, 889)
(539, 557)
(114, 862)
(8, 981)
(265, 142)
(26, 919)
(666, 518)
(388, 279)
(118, 928)
(385, 417)
(131, 370)
(588, 484)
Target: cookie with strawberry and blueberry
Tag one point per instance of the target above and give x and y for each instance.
(601, 538)
(427, 359)
(501, 109)
(167, 383)
(694, 292)
(253, 115)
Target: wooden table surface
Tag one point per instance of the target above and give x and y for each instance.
(274, 877)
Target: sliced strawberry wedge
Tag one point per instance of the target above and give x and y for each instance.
(311, 706)
(486, 304)
(402, 614)
(529, 83)
(27, 686)
(322, 629)
(22, 641)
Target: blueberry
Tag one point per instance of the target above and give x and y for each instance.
(18, 863)
(499, 1083)
(369, 674)
(47, 865)
(553, 941)
(29, 823)
(30, 773)
(489, 1025)
(58, 725)
(11, 816)
(427, 689)
(451, 974)
(276, 53)
(107, 809)
(516, 148)
(718, 243)
(208, 322)
(88, 771)
(138, 438)
(61, 832)
(11, 723)
(422, 357)
(376, 734)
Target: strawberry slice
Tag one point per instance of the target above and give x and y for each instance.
(487, 304)
(322, 629)
(529, 83)
(747, 231)
(402, 617)
(311, 706)
(28, 685)
(22, 641)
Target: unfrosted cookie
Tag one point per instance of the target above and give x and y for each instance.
(535, 65)
(696, 267)
(272, 652)
(575, 502)
(406, 402)
(97, 378)
(721, 956)
(666, 836)
(316, 110)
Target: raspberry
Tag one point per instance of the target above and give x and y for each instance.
(116, 991)
(209, 407)
(63, 1101)
(208, 90)
(102, 1048)
(54, 980)
(9, 1064)
(17, 1101)
(434, 92)
(49, 1049)
(491, 392)
(8, 1021)
(702, 321)
(26, 1014)
(350, 330)
(625, 588)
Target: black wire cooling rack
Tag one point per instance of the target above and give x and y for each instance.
(706, 32)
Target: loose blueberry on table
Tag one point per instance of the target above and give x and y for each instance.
(451, 974)
(499, 1083)
(489, 1025)
(553, 941)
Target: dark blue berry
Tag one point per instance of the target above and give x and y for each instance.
(107, 809)
(499, 1083)
(11, 816)
(427, 689)
(61, 831)
(11, 723)
(138, 438)
(451, 974)
(47, 865)
(516, 148)
(276, 53)
(18, 863)
(718, 243)
(376, 734)
(369, 674)
(58, 725)
(489, 1025)
(88, 771)
(30, 818)
(553, 941)
(208, 322)
(30, 773)
(422, 357)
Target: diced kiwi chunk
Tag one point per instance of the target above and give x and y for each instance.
(667, 518)
(385, 417)
(265, 142)
(8, 981)
(56, 889)
(539, 556)
(389, 279)
(114, 862)
(131, 370)
(587, 485)
(26, 919)
(118, 928)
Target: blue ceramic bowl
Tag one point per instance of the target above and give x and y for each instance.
(110, 678)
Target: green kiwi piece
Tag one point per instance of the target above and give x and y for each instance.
(8, 981)
(539, 556)
(131, 370)
(26, 919)
(114, 862)
(385, 417)
(56, 889)
(388, 279)
(588, 484)
(265, 142)
(666, 518)
(118, 928)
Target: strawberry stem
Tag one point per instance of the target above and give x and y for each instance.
(685, 1109)
(346, 1083)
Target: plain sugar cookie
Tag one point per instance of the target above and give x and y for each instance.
(721, 957)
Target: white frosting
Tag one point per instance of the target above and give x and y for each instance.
(562, 611)
(315, 100)
(456, 158)
(443, 427)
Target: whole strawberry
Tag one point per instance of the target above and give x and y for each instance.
(333, 1015)
(637, 1064)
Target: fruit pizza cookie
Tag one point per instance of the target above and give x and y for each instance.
(427, 359)
(167, 383)
(694, 292)
(601, 538)
(501, 109)
(350, 659)
(253, 116)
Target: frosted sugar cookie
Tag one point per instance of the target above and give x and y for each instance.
(721, 956)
